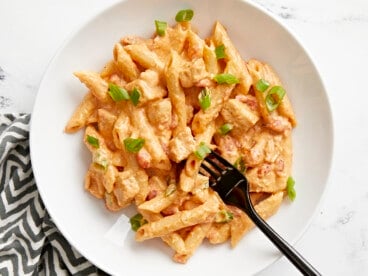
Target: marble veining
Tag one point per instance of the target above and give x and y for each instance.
(2, 74)
(308, 13)
(345, 218)
(5, 102)
(283, 11)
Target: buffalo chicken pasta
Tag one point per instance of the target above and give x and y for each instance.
(158, 107)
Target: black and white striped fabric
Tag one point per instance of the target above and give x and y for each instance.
(30, 243)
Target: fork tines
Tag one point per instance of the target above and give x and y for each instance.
(212, 167)
(223, 175)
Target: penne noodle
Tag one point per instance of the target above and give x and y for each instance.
(201, 214)
(176, 92)
(153, 113)
(265, 209)
(95, 84)
(124, 63)
(82, 114)
(238, 68)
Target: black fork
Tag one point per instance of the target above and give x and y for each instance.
(232, 186)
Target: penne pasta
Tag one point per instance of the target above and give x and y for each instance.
(155, 110)
(82, 114)
(201, 214)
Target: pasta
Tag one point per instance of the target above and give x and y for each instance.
(157, 106)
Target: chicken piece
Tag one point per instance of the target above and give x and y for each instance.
(182, 145)
(193, 72)
(279, 124)
(160, 114)
(227, 147)
(147, 91)
(240, 115)
(126, 188)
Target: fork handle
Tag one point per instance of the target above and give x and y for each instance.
(290, 252)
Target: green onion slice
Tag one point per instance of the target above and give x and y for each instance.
(117, 93)
(170, 189)
(202, 151)
(226, 79)
(220, 51)
(184, 15)
(274, 97)
(205, 99)
(290, 183)
(262, 85)
(224, 216)
(160, 27)
(225, 128)
(93, 141)
(240, 164)
(137, 221)
(100, 158)
(134, 96)
(133, 145)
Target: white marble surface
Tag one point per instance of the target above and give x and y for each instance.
(336, 34)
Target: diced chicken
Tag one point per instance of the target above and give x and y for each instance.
(147, 91)
(256, 154)
(126, 188)
(193, 72)
(261, 178)
(265, 148)
(250, 100)
(160, 114)
(150, 76)
(227, 147)
(182, 145)
(239, 114)
(272, 150)
(144, 159)
(279, 124)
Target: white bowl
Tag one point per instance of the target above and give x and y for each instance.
(60, 161)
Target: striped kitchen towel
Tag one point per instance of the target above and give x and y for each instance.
(30, 243)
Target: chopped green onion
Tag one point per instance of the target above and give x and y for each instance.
(290, 183)
(170, 189)
(224, 216)
(225, 128)
(202, 151)
(184, 15)
(93, 141)
(117, 93)
(240, 164)
(160, 27)
(220, 51)
(262, 85)
(134, 96)
(226, 78)
(100, 158)
(133, 145)
(274, 97)
(137, 221)
(205, 99)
